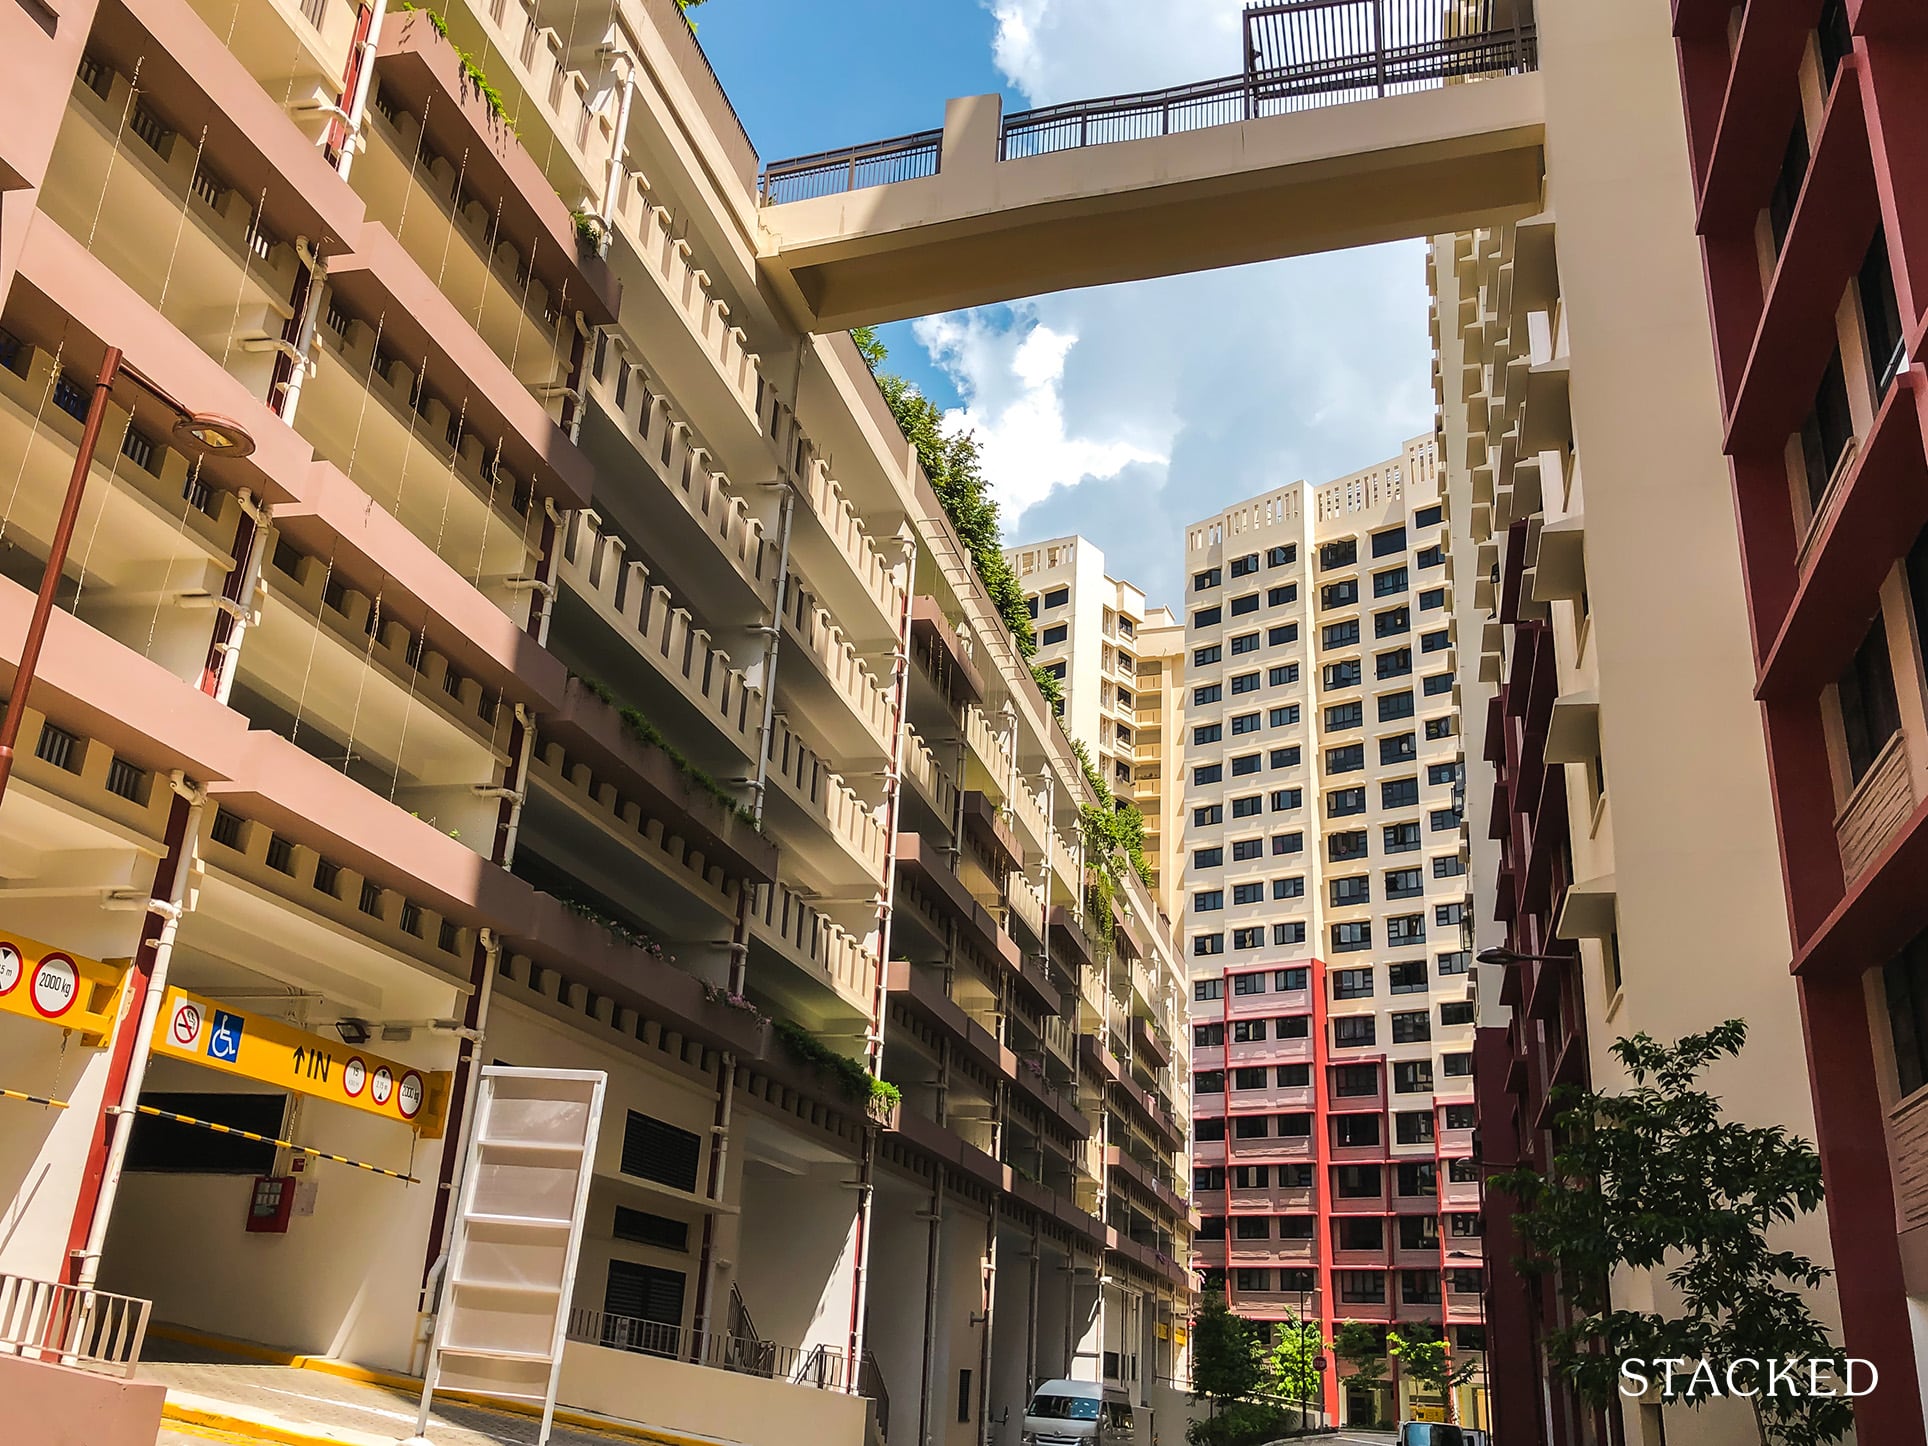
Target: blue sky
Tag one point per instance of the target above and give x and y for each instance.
(1123, 412)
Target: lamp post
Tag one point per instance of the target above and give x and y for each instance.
(1508, 956)
(197, 434)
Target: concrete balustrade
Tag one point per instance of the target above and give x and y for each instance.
(817, 944)
(821, 791)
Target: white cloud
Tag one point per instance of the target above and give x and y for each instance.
(1009, 368)
(1126, 412)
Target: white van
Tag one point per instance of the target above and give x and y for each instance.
(1070, 1413)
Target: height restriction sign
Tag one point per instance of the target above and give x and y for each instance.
(55, 986)
(252, 1046)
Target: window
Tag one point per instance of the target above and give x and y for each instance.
(1352, 983)
(1292, 1026)
(656, 1150)
(1207, 1035)
(1340, 635)
(1208, 989)
(1030, 603)
(1414, 1127)
(1401, 838)
(1245, 643)
(1209, 578)
(1252, 1227)
(1243, 984)
(1394, 706)
(1202, 656)
(1249, 938)
(1345, 802)
(1248, 1031)
(1339, 554)
(1212, 1227)
(1437, 684)
(1435, 642)
(1249, 763)
(1251, 1177)
(1406, 929)
(1248, 848)
(1465, 1280)
(1244, 605)
(640, 1227)
(1443, 820)
(1209, 693)
(1245, 683)
(1209, 1177)
(1354, 1031)
(1056, 633)
(1404, 883)
(1287, 843)
(1343, 846)
(1432, 599)
(1355, 1131)
(1391, 624)
(1293, 1077)
(1343, 675)
(1437, 728)
(1282, 675)
(1441, 773)
(1281, 556)
(1462, 1172)
(1413, 1026)
(1418, 1177)
(1204, 944)
(1385, 544)
(1429, 516)
(1283, 717)
(1348, 759)
(1207, 858)
(1360, 1232)
(1245, 566)
(1434, 556)
(1389, 584)
(1419, 1287)
(1207, 814)
(1870, 714)
(1290, 981)
(1057, 597)
(1356, 890)
(1284, 757)
(1252, 1077)
(1400, 747)
(1351, 1081)
(1208, 900)
(1446, 915)
(1278, 597)
(1399, 793)
(1286, 799)
(1207, 618)
(1282, 634)
(1459, 1011)
(1208, 1082)
(1245, 723)
(1246, 1278)
(1412, 1077)
(1396, 664)
(1339, 594)
(1363, 1287)
(1881, 315)
(1248, 893)
(1344, 715)
(1248, 806)
(1408, 976)
(1296, 1227)
(1457, 1066)
(1905, 981)
(1206, 773)
(1454, 962)
(1461, 1117)
(1466, 1226)
(1355, 1182)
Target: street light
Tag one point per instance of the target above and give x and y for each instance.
(1508, 956)
(198, 434)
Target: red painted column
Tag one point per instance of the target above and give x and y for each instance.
(1322, 1179)
(1804, 804)
(1894, 89)
(1848, 1118)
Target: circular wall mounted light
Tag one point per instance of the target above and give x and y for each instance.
(206, 435)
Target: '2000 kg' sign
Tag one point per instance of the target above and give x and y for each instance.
(221, 1037)
(51, 985)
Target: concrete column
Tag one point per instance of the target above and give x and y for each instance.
(972, 125)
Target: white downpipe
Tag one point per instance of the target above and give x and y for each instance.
(170, 911)
(619, 152)
(521, 792)
(263, 515)
(304, 341)
(364, 81)
(485, 995)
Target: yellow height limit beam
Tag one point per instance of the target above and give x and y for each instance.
(221, 1129)
(271, 1052)
(54, 986)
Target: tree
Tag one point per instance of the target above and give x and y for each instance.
(1225, 1349)
(1655, 1178)
(1288, 1368)
(1421, 1350)
(1360, 1346)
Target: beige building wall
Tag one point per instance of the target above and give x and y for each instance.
(1158, 782)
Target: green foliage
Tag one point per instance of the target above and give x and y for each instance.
(1114, 838)
(1225, 1349)
(686, 6)
(956, 474)
(1049, 685)
(1242, 1423)
(880, 1097)
(647, 733)
(1655, 1178)
(1421, 1352)
(1287, 1365)
(1357, 1344)
(590, 232)
(471, 67)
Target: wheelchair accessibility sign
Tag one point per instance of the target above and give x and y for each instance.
(224, 1040)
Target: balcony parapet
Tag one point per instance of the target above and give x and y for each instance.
(921, 767)
(936, 645)
(816, 943)
(814, 630)
(809, 780)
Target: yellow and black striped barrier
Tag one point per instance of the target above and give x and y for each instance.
(307, 1150)
(32, 1099)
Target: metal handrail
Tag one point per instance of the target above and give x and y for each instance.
(875, 163)
(819, 1366)
(93, 1329)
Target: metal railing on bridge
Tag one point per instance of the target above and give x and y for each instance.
(1300, 54)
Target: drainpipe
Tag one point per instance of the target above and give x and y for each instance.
(543, 580)
(364, 76)
(774, 633)
(230, 627)
(990, 1323)
(719, 1159)
(462, 1096)
(930, 1307)
(887, 909)
(304, 337)
(620, 151)
(151, 960)
(1031, 1322)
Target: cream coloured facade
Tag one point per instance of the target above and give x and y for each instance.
(1157, 778)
